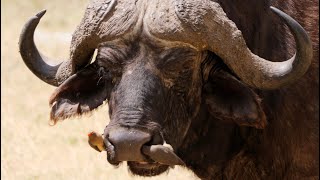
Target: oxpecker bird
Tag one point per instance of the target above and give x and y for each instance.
(96, 141)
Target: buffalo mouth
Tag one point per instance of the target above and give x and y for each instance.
(150, 168)
(146, 168)
(154, 159)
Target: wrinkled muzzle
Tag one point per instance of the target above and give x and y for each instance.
(134, 132)
(123, 144)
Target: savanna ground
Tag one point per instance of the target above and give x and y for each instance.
(30, 148)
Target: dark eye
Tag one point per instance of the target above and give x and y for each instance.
(108, 75)
(103, 73)
(111, 61)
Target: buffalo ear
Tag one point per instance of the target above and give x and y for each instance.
(80, 93)
(228, 99)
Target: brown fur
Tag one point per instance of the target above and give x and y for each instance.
(288, 147)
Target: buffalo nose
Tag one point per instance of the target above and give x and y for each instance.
(128, 143)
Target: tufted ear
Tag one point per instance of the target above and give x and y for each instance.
(80, 93)
(228, 99)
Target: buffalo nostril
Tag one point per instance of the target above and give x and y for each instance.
(156, 139)
(110, 152)
(127, 143)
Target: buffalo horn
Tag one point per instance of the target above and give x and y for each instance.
(36, 61)
(254, 70)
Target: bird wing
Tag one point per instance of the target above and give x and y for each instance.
(94, 146)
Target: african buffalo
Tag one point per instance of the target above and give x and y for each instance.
(197, 83)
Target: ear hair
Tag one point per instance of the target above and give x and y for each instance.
(79, 94)
(210, 65)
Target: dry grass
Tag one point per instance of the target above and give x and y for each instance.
(30, 148)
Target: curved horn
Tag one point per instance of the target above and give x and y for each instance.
(254, 70)
(36, 61)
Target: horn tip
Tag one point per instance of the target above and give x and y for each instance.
(41, 13)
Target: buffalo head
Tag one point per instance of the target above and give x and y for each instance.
(153, 64)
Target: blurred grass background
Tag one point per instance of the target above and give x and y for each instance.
(30, 148)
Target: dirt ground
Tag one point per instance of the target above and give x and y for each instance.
(30, 148)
